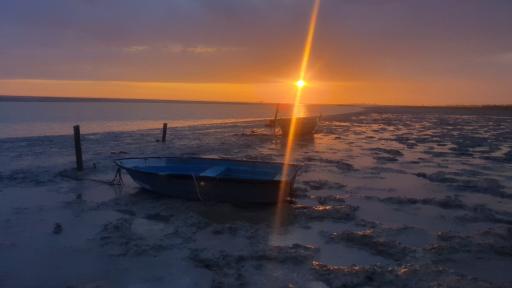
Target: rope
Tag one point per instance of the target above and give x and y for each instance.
(118, 177)
(117, 180)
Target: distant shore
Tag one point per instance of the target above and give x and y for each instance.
(8, 98)
(12, 98)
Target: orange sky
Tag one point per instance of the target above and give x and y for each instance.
(391, 52)
(315, 92)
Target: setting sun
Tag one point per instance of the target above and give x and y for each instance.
(300, 83)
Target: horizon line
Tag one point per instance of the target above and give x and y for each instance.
(28, 98)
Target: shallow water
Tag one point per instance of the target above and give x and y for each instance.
(20, 119)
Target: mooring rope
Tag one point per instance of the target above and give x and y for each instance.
(116, 181)
(118, 177)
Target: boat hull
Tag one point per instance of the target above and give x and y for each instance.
(194, 186)
(304, 126)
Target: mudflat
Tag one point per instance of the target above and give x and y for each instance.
(387, 197)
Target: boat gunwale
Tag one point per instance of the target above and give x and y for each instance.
(234, 179)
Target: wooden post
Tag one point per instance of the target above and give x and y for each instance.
(275, 119)
(78, 148)
(164, 132)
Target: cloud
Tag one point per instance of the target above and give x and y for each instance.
(502, 58)
(135, 49)
(202, 49)
(199, 49)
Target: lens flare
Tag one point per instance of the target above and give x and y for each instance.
(288, 157)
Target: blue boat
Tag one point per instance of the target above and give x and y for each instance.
(209, 179)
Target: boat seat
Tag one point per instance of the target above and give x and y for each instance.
(213, 171)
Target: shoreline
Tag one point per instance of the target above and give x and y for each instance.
(140, 130)
(492, 110)
(215, 122)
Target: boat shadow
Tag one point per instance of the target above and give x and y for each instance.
(141, 200)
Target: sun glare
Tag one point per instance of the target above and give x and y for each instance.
(288, 155)
(300, 83)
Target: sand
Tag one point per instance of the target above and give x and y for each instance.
(387, 197)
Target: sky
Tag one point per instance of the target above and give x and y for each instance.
(411, 52)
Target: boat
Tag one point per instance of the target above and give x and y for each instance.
(209, 179)
(304, 126)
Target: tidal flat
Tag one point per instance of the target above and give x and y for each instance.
(387, 197)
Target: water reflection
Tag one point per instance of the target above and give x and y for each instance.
(19, 119)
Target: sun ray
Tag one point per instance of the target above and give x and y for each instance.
(288, 156)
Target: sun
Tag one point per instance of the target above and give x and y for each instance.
(300, 83)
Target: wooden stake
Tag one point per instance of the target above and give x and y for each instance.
(275, 119)
(78, 148)
(164, 132)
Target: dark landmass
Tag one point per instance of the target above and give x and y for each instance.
(380, 108)
(7, 98)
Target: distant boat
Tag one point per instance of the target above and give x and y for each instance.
(211, 179)
(304, 126)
